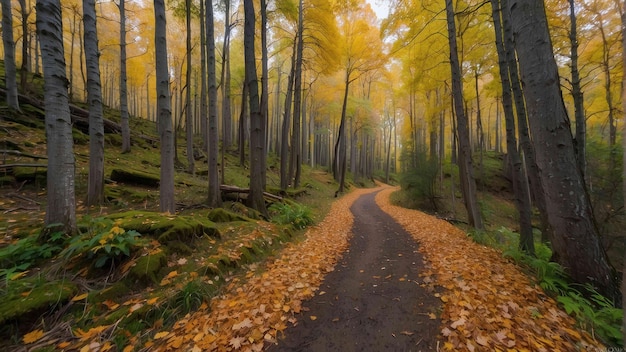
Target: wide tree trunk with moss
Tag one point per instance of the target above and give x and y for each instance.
(576, 244)
(61, 204)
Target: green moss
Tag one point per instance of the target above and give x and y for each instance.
(6, 180)
(147, 267)
(41, 296)
(115, 291)
(79, 137)
(239, 208)
(179, 247)
(223, 215)
(29, 173)
(166, 227)
(135, 177)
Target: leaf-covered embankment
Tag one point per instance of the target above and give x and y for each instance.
(489, 304)
(248, 316)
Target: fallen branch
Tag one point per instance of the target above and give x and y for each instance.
(15, 195)
(18, 153)
(9, 166)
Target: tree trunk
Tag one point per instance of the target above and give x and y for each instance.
(10, 71)
(264, 95)
(188, 112)
(468, 184)
(25, 13)
(215, 197)
(624, 161)
(61, 205)
(243, 124)
(123, 81)
(339, 163)
(284, 144)
(522, 120)
(95, 187)
(296, 151)
(226, 111)
(576, 245)
(257, 145)
(577, 94)
(204, 129)
(166, 132)
(520, 189)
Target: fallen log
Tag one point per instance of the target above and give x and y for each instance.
(26, 155)
(235, 189)
(10, 166)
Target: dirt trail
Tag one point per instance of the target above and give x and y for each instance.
(373, 300)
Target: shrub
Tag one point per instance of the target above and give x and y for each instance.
(294, 214)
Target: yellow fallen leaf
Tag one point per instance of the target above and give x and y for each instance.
(33, 336)
(152, 301)
(313, 317)
(160, 335)
(172, 274)
(432, 316)
(79, 297)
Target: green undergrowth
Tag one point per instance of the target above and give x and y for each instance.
(593, 312)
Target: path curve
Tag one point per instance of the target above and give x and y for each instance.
(373, 300)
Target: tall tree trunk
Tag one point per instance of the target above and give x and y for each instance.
(623, 15)
(576, 244)
(61, 205)
(468, 184)
(284, 144)
(10, 71)
(71, 55)
(215, 197)
(265, 91)
(95, 187)
(204, 129)
(296, 151)
(339, 163)
(257, 145)
(123, 81)
(225, 82)
(536, 186)
(166, 132)
(520, 189)
(25, 13)
(188, 112)
(577, 94)
(243, 125)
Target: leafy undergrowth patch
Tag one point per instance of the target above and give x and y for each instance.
(489, 304)
(128, 275)
(256, 307)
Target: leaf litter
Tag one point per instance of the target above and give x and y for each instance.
(254, 310)
(488, 303)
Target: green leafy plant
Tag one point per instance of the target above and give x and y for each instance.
(297, 215)
(26, 252)
(593, 311)
(105, 242)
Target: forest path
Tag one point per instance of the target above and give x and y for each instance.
(372, 301)
(482, 302)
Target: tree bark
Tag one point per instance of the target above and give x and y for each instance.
(285, 180)
(25, 13)
(215, 197)
(204, 129)
(10, 70)
(61, 205)
(520, 189)
(123, 81)
(576, 245)
(296, 151)
(577, 94)
(188, 112)
(166, 132)
(226, 111)
(257, 145)
(95, 187)
(468, 183)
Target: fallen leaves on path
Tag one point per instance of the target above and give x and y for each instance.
(489, 304)
(247, 316)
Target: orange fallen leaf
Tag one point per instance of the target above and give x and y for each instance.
(33, 336)
(79, 297)
(160, 335)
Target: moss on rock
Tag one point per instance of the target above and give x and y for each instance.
(148, 266)
(23, 298)
(223, 215)
(166, 227)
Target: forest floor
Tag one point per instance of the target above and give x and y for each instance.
(373, 276)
